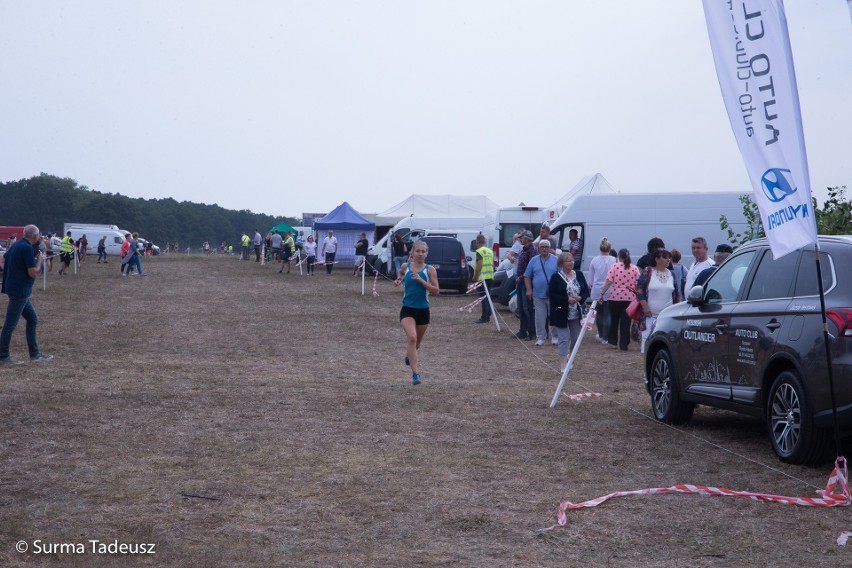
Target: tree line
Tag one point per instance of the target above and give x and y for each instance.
(50, 201)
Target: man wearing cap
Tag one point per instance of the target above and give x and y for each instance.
(525, 306)
(723, 251)
(20, 270)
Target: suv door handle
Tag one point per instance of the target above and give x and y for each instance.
(721, 325)
(773, 325)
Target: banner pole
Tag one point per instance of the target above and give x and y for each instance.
(363, 272)
(837, 441)
(570, 363)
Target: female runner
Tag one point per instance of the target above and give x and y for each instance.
(418, 278)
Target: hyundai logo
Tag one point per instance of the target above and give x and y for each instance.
(777, 184)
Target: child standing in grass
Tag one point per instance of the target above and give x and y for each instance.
(419, 279)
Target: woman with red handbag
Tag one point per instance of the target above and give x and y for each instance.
(656, 291)
(622, 277)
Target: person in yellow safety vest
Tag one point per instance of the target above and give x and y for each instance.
(485, 273)
(287, 252)
(244, 242)
(66, 250)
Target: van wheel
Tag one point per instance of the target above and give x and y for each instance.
(789, 419)
(665, 393)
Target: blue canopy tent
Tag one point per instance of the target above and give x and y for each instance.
(347, 225)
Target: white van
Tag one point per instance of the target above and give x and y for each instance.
(114, 236)
(629, 220)
(502, 225)
(410, 229)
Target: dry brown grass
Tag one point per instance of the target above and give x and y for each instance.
(282, 406)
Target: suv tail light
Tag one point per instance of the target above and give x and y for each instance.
(496, 249)
(463, 261)
(842, 318)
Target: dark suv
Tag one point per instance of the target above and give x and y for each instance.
(751, 340)
(447, 255)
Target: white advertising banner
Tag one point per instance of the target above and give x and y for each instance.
(751, 50)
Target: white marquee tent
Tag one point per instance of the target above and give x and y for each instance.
(446, 206)
(589, 185)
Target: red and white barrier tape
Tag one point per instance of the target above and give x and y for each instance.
(582, 395)
(844, 536)
(838, 480)
(472, 305)
(375, 279)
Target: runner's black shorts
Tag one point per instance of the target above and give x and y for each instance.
(420, 315)
(65, 257)
(286, 254)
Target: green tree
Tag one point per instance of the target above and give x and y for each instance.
(754, 227)
(835, 217)
(50, 201)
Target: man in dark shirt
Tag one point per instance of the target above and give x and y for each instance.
(20, 270)
(361, 246)
(525, 305)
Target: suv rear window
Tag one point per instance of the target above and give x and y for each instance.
(772, 279)
(806, 280)
(443, 250)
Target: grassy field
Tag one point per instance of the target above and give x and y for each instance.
(233, 416)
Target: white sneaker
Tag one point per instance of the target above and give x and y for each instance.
(554, 341)
(539, 342)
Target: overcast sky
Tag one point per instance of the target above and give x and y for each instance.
(289, 107)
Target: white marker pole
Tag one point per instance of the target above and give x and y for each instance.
(363, 272)
(573, 355)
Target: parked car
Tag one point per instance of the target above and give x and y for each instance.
(751, 341)
(447, 255)
(503, 286)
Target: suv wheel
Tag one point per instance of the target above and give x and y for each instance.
(665, 396)
(794, 436)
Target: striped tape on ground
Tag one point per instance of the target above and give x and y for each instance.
(835, 494)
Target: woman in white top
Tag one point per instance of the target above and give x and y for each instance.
(655, 291)
(310, 248)
(598, 269)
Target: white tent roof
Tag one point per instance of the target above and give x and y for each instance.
(589, 185)
(447, 206)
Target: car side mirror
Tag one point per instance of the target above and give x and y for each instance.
(695, 296)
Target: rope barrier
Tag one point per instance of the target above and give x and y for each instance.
(581, 395)
(835, 494)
